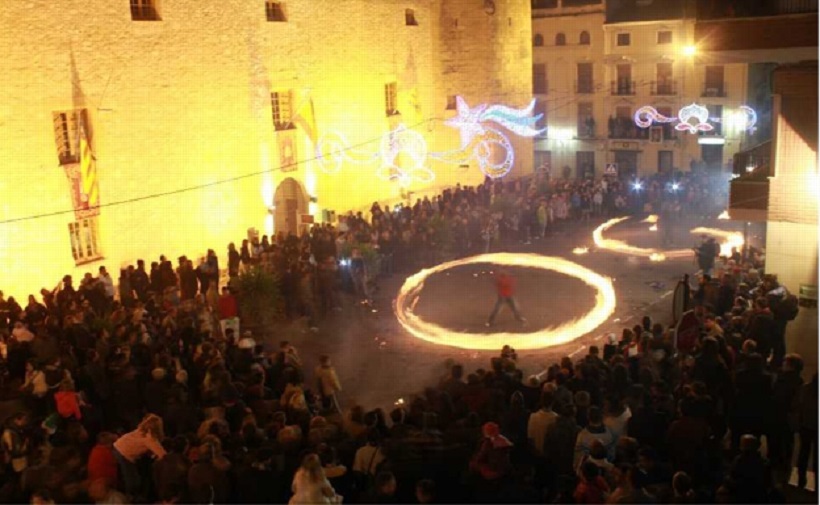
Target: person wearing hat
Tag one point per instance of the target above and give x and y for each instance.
(492, 460)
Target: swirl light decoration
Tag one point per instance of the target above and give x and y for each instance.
(605, 302)
(412, 145)
(479, 140)
(647, 115)
(333, 150)
(729, 240)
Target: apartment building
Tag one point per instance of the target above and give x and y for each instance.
(598, 64)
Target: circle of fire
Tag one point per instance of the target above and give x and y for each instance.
(729, 240)
(605, 302)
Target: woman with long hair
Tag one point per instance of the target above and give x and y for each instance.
(132, 446)
(310, 484)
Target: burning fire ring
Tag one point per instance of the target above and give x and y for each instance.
(729, 240)
(605, 302)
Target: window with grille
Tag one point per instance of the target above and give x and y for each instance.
(391, 98)
(282, 108)
(67, 136)
(538, 40)
(623, 39)
(586, 122)
(585, 78)
(85, 246)
(275, 11)
(539, 79)
(665, 37)
(560, 39)
(144, 10)
(410, 17)
(583, 39)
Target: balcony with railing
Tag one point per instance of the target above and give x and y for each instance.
(666, 87)
(544, 4)
(622, 87)
(713, 91)
(585, 129)
(622, 128)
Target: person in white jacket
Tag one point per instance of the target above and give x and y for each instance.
(310, 485)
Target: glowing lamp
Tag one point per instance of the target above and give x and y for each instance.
(637, 186)
(675, 186)
(711, 141)
(689, 50)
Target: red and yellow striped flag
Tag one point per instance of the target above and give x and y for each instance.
(305, 118)
(88, 172)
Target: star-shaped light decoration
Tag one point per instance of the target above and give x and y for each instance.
(468, 121)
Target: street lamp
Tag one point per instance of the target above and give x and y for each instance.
(689, 50)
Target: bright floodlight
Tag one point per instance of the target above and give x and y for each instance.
(637, 186)
(689, 50)
(675, 186)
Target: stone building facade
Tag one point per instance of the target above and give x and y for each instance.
(202, 118)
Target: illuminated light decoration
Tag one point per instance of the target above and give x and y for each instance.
(647, 115)
(729, 240)
(698, 112)
(724, 215)
(333, 150)
(580, 250)
(654, 227)
(605, 303)
(711, 141)
(470, 122)
(651, 219)
(412, 144)
(478, 141)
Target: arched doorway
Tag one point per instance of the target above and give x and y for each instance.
(290, 202)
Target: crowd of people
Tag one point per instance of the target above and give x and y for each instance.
(147, 392)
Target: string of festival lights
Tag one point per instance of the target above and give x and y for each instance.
(315, 158)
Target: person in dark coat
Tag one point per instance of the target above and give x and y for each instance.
(808, 430)
(753, 400)
(761, 327)
(208, 477)
(751, 473)
(785, 399)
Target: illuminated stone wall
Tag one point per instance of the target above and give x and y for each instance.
(185, 102)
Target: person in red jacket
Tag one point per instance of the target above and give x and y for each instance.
(228, 311)
(505, 288)
(101, 462)
(68, 401)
